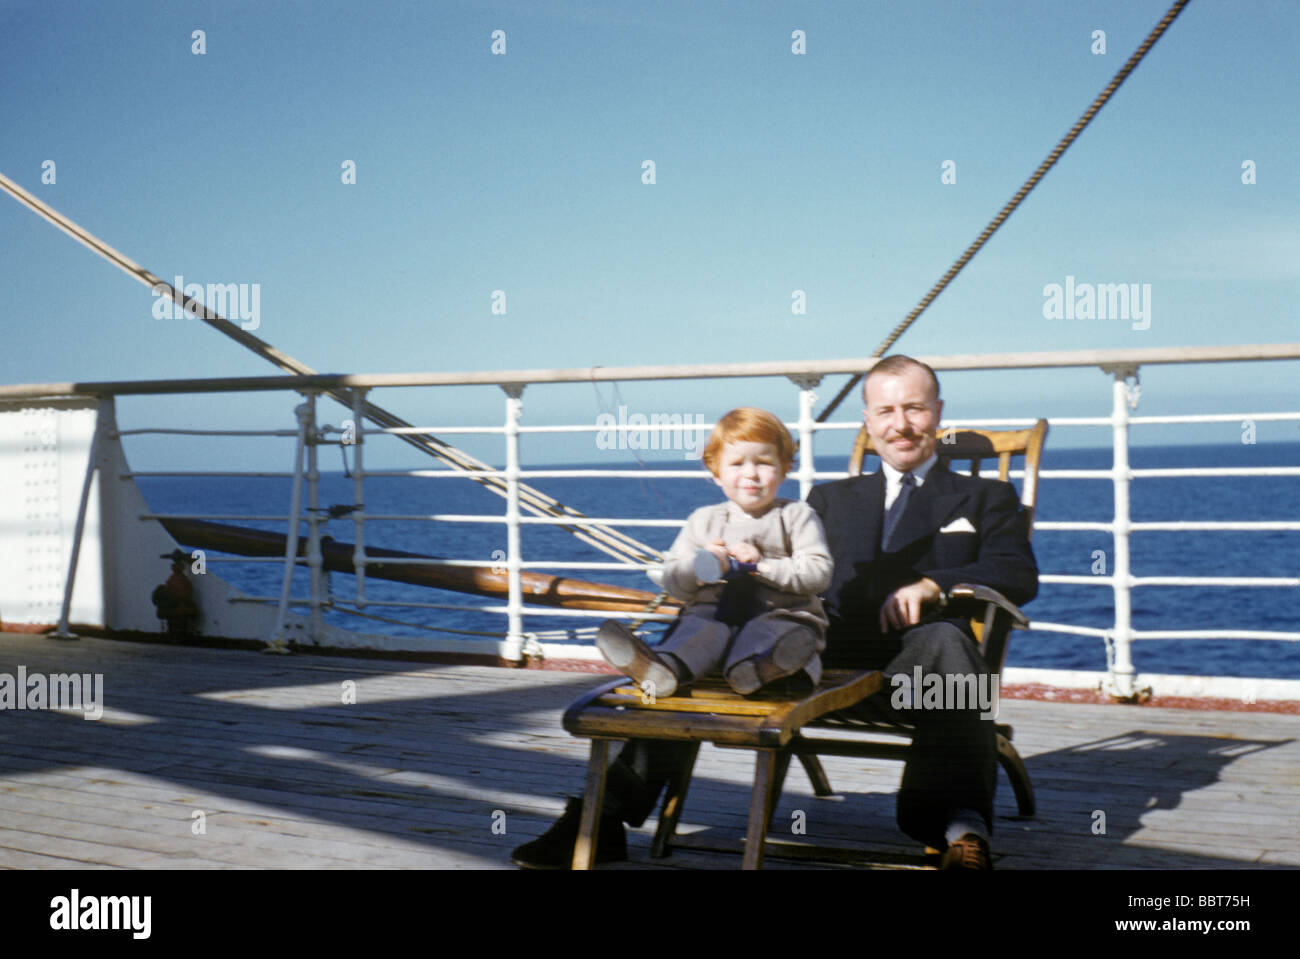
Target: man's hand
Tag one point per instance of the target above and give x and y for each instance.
(903, 607)
(746, 553)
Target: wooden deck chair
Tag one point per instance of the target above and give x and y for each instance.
(993, 616)
(771, 723)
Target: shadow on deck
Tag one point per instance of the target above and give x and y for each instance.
(211, 758)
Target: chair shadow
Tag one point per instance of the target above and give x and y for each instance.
(435, 767)
(1094, 801)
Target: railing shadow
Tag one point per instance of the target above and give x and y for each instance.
(467, 764)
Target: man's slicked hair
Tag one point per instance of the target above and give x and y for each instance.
(897, 364)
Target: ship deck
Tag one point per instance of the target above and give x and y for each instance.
(451, 766)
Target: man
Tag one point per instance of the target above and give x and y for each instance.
(901, 538)
(174, 600)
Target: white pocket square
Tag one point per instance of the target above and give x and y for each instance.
(960, 525)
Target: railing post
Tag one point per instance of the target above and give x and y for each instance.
(807, 384)
(92, 466)
(315, 560)
(303, 411)
(514, 644)
(1123, 397)
(359, 494)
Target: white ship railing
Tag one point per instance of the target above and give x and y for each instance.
(1120, 365)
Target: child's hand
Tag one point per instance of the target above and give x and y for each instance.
(711, 563)
(719, 549)
(746, 553)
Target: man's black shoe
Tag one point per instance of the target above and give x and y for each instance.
(553, 849)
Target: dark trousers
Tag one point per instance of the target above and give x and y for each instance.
(953, 759)
(704, 643)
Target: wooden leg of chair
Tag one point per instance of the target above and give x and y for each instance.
(761, 802)
(673, 802)
(778, 777)
(1019, 776)
(584, 851)
(816, 774)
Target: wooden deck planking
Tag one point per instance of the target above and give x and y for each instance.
(383, 824)
(157, 830)
(235, 840)
(410, 775)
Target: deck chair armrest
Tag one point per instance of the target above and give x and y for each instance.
(969, 593)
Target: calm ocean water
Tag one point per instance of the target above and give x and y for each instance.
(1153, 553)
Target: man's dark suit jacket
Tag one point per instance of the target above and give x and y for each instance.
(986, 543)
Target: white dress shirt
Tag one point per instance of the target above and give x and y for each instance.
(894, 479)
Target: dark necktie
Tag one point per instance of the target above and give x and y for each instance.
(894, 514)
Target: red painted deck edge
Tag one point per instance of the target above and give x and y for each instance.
(1032, 691)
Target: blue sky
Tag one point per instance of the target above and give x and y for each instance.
(522, 172)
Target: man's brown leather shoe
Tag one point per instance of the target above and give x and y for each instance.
(968, 852)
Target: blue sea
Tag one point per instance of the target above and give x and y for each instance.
(1275, 554)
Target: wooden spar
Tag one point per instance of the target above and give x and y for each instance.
(539, 588)
(607, 539)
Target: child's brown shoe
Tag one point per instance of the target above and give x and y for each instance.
(625, 651)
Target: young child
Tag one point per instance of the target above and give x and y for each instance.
(749, 571)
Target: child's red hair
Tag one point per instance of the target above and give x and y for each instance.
(748, 424)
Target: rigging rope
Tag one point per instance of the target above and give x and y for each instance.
(607, 539)
(1014, 202)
